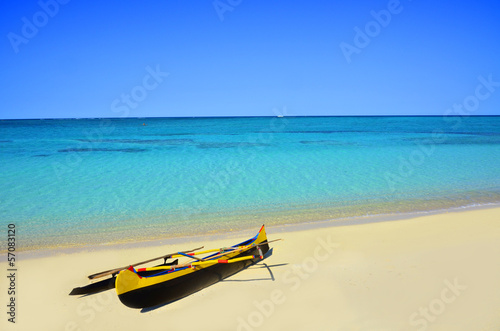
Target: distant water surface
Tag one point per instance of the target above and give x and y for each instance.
(87, 181)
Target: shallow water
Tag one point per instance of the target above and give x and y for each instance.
(71, 182)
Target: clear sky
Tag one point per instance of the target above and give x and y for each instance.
(65, 59)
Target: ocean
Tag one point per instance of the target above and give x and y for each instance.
(74, 182)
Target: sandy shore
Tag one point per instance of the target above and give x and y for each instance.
(434, 272)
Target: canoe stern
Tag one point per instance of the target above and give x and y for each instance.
(128, 280)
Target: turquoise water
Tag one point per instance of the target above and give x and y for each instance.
(80, 181)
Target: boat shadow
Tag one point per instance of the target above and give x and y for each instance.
(259, 264)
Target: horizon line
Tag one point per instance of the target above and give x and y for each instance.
(231, 116)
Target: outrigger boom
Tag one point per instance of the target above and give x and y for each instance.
(117, 270)
(211, 259)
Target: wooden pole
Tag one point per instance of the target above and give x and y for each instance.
(212, 258)
(116, 270)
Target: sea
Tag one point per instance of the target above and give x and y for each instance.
(80, 182)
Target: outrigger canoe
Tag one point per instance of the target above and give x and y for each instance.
(154, 286)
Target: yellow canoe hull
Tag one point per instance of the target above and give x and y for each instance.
(164, 285)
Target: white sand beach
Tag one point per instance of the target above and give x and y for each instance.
(432, 272)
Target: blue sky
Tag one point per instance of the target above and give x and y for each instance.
(64, 59)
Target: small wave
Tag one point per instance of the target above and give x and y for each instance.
(124, 150)
(230, 145)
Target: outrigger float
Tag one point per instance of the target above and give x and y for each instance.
(168, 282)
